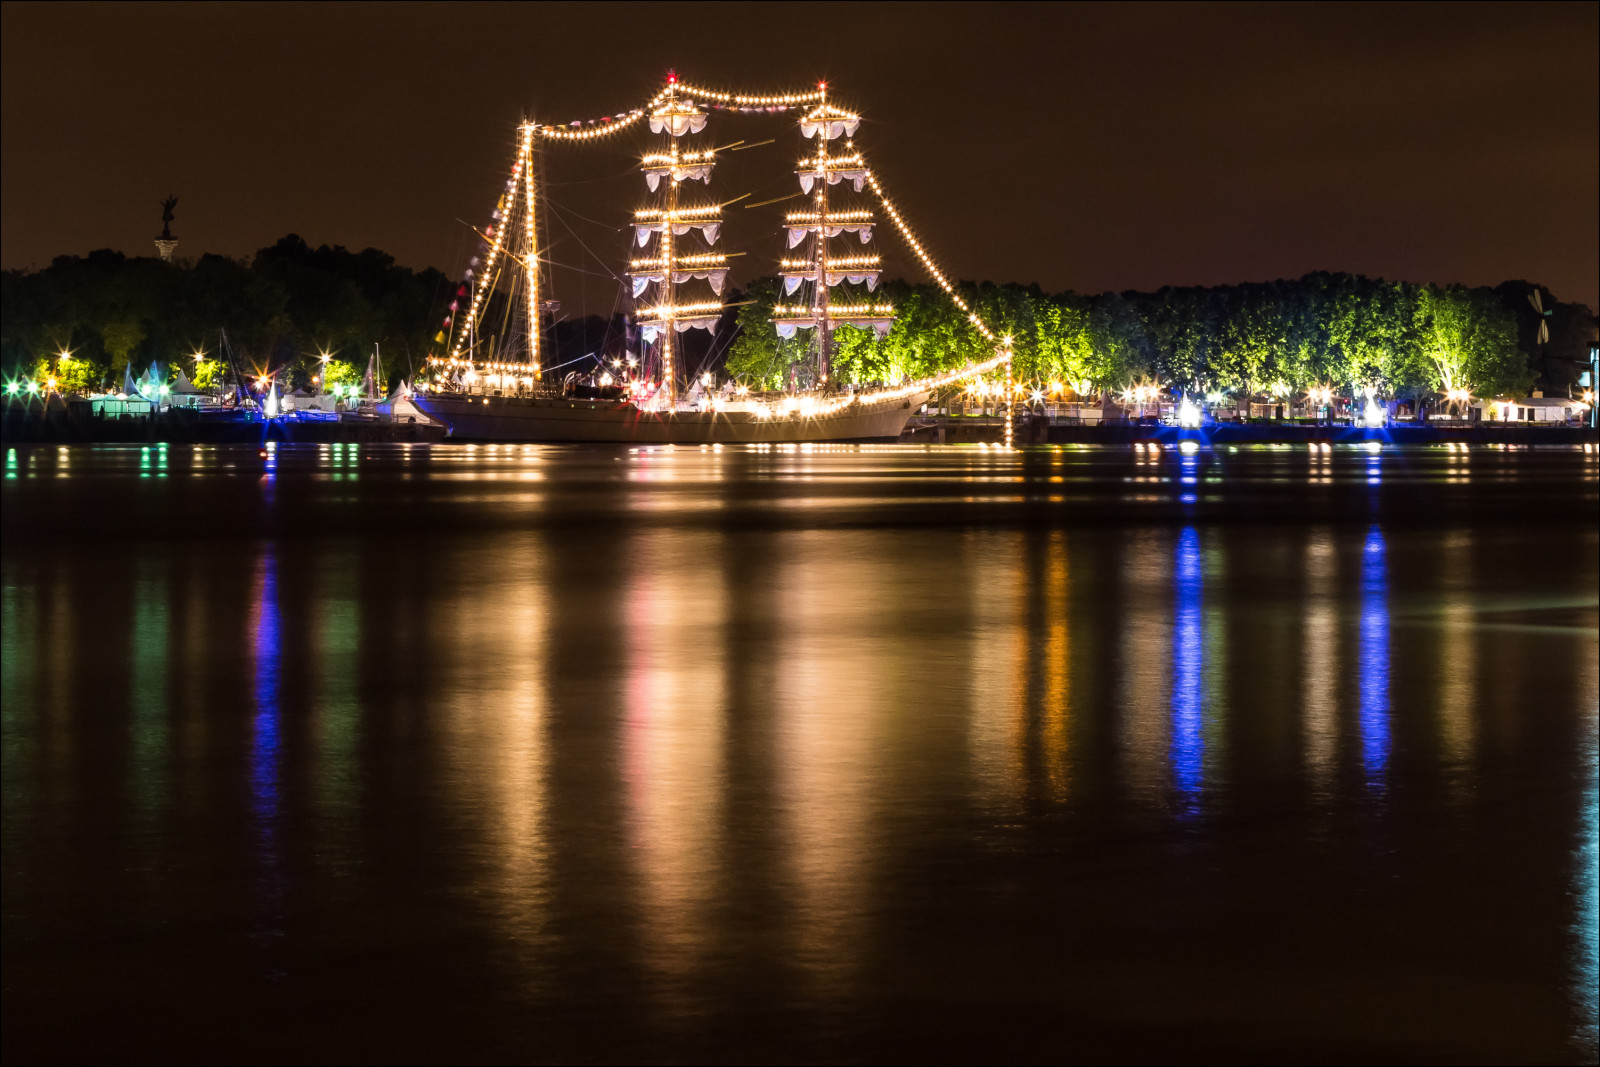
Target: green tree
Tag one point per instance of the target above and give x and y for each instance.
(758, 357)
(1063, 342)
(1123, 346)
(1374, 334)
(121, 339)
(341, 372)
(208, 373)
(1469, 338)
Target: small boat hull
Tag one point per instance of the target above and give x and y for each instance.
(573, 420)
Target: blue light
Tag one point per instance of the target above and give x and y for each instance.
(267, 739)
(1188, 664)
(1374, 655)
(266, 750)
(1586, 897)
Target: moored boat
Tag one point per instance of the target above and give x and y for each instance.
(576, 419)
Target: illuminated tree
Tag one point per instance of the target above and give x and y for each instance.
(207, 373)
(1252, 337)
(1373, 335)
(1469, 339)
(1063, 344)
(758, 356)
(341, 372)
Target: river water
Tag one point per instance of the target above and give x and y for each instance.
(468, 754)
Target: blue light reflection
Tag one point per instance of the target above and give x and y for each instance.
(1586, 894)
(1374, 655)
(1188, 664)
(266, 740)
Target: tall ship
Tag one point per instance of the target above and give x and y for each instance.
(496, 389)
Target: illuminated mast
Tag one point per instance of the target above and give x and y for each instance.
(503, 243)
(820, 223)
(673, 263)
(530, 261)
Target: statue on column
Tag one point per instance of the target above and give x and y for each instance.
(167, 244)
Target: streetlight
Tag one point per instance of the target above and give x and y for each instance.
(323, 355)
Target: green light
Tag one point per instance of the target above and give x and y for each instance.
(33, 387)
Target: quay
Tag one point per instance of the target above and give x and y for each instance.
(64, 424)
(1036, 429)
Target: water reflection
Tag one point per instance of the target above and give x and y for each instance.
(826, 752)
(675, 711)
(1145, 668)
(1373, 663)
(1586, 859)
(1058, 673)
(1188, 664)
(148, 670)
(266, 745)
(1458, 658)
(335, 618)
(267, 630)
(19, 694)
(998, 668)
(1319, 673)
(584, 779)
(495, 697)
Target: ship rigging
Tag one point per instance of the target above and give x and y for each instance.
(677, 278)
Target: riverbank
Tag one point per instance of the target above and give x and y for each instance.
(1040, 430)
(200, 427)
(187, 426)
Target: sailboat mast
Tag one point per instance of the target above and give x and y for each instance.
(531, 263)
(668, 268)
(824, 326)
(669, 374)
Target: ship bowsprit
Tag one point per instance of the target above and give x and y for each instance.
(574, 420)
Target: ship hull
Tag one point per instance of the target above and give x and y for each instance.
(496, 418)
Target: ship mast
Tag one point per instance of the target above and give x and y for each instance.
(821, 268)
(667, 290)
(504, 248)
(675, 263)
(824, 325)
(530, 262)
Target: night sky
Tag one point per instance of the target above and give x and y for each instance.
(1089, 148)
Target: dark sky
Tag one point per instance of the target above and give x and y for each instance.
(1091, 148)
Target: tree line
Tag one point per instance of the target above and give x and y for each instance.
(1343, 330)
(290, 304)
(282, 310)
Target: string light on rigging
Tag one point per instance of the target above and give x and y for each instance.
(678, 109)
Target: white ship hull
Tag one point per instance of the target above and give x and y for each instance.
(501, 418)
